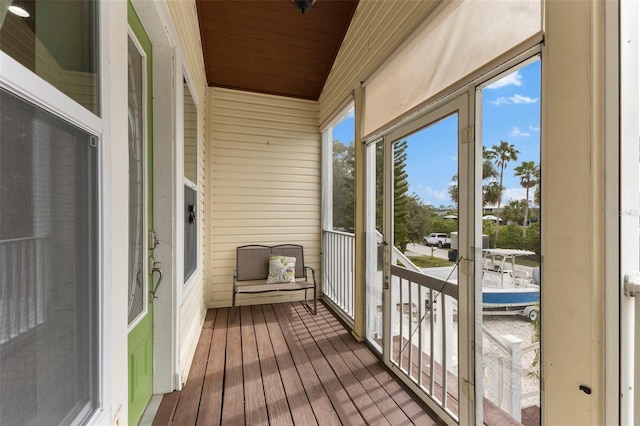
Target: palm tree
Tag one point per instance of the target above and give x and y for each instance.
(536, 193)
(453, 189)
(501, 155)
(527, 174)
(488, 188)
(491, 193)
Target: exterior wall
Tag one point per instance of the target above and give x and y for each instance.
(192, 309)
(573, 213)
(264, 164)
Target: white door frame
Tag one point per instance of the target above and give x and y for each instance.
(459, 103)
(621, 356)
(156, 20)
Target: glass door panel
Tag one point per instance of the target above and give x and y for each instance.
(375, 244)
(421, 214)
(507, 268)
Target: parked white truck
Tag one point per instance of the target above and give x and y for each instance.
(437, 239)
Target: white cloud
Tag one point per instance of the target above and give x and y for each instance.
(534, 128)
(514, 79)
(517, 133)
(519, 99)
(513, 100)
(515, 194)
(439, 195)
(500, 101)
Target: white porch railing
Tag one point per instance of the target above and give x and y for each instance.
(23, 278)
(338, 269)
(422, 334)
(503, 371)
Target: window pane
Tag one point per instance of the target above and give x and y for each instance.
(49, 284)
(57, 41)
(343, 174)
(508, 331)
(136, 183)
(190, 137)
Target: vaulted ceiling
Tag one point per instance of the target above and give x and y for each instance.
(268, 46)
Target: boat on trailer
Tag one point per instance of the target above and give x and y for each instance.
(506, 289)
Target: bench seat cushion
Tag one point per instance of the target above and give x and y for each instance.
(263, 286)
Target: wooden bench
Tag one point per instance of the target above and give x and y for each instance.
(252, 270)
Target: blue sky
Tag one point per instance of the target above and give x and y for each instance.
(511, 112)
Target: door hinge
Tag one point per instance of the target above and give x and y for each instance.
(632, 284)
(468, 134)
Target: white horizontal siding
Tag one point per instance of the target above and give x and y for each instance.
(193, 309)
(264, 188)
(376, 31)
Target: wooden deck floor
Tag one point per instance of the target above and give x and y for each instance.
(278, 364)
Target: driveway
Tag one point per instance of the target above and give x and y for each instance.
(422, 250)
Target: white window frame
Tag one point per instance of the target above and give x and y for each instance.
(347, 108)
(187, 285)
(20, 81)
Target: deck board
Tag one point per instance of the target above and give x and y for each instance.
(188, 404)
(278, 364)
(298, 402)
(354, 387)
(275, 395)
(320, 403)
(255, 404)
(210, 409)
(342, 403)
(358, 367)
(233, 406)
(403, 400)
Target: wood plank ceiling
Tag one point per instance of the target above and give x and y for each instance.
(268, 46)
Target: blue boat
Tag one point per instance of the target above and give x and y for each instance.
(506, 289)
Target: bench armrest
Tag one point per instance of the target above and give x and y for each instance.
(313, 274)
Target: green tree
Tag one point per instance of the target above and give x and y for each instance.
(510, 237)
(411, 217)
(501, 155)
(515, 210)
(527, 173)
(419, 219)
(439, 224)
(453, 189)
(400, 197)
(490, 193)
(343, 186)
(532, 241)
(536, 192)
(489, 228)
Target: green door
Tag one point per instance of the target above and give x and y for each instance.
(140, 317)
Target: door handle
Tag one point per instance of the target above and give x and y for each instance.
(155, 270)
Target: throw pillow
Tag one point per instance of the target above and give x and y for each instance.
(282, 269)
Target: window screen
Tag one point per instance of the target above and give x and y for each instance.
(49, 282)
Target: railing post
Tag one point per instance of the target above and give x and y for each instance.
(514, 407)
